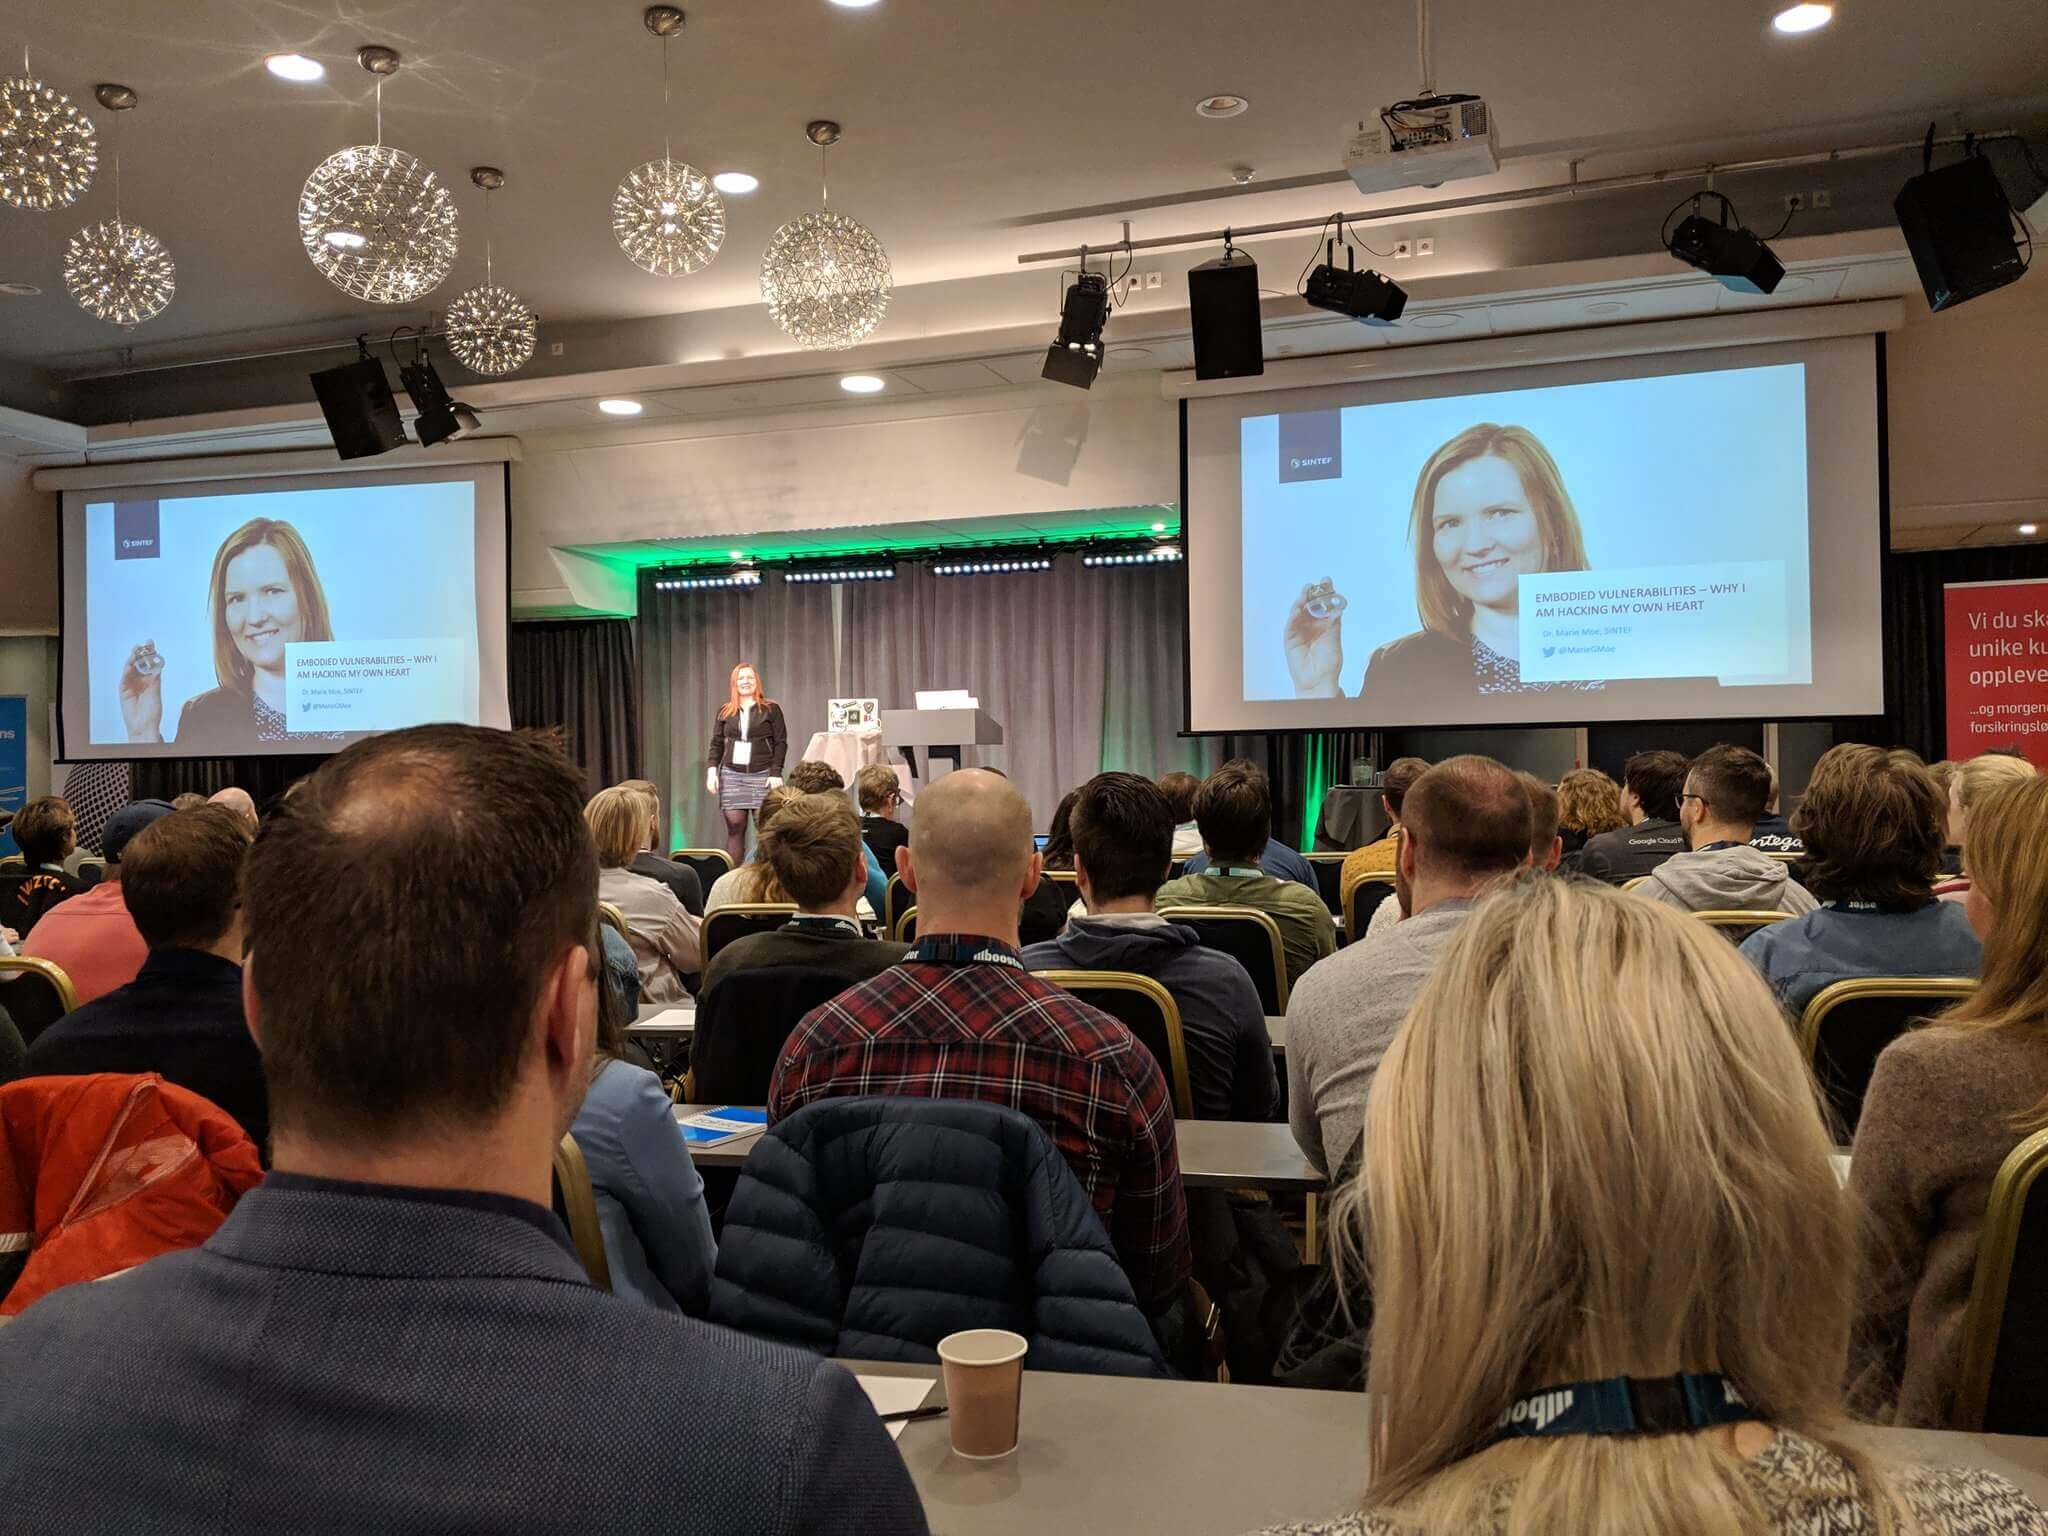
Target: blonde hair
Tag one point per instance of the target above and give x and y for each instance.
(1979, 776)
(2007, 860)
(1594, 1150)
(1564, 546)
(618, 825)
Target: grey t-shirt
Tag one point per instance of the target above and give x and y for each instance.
(1342, 1016)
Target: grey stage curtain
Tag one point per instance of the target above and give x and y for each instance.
(579, 675)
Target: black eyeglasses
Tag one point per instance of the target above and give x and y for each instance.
(1683, 798)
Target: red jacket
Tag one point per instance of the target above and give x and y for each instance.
(100, 1173)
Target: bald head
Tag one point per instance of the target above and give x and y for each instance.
(970, 837)
(238, 801)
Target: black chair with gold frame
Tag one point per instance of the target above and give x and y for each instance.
(2002, 1386)
(1360, 903)
(1849, 1023)
(1738, 925)
(709, 863)
(737, 919)
(1150, 1013)
(39, 995)
(575, 1201)
(1248, 936)
(1329, 872)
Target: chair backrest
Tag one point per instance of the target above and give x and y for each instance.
(91, 872)
(897, 899)
(1849, 1023)
(742, 1024)
(13, 861)
(2002, 1385)
(709, 863)
(1781, 856)
(1360, 903)
(905, 931)
(40, 995)
(1248, 936)
(576, 1204)
(1148, 1010)
(1065, 877)
(738, 919)
(1739, 925)
(1329, 868)
(613, 918)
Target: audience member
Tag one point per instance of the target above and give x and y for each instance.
(241, 802)
(658, 1245)
(1058, 852)
(191, 800)
(1650, 782)
(181, 879)
(812, 777)
(1944, 775)
(1123, 842)
(962, 1018)
(1377, 860)
(44, 832)
(1546, 844)
(1773, 833)
(1276, 859)
(1045, 911)
(421, 916)
(1872, 823)
(660, 929)
(1464, 826)
(91, 936)
(1968, 785)
(754, 881)
(1945, 1106)
(1234, 809)
(1179, 788)
(1588, 1170)
(679, 878)
(1588, 804)
(880, 797)
(1725, 791)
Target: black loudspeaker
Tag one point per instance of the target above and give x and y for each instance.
(1958, 226)
(1223, 302)
(356, 400)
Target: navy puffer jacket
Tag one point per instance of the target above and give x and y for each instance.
(872, 1228)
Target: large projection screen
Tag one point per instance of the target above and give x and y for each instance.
(282, 615)
(1689, 535)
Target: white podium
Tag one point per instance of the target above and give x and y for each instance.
(940, 732)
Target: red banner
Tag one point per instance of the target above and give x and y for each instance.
(1997, 652)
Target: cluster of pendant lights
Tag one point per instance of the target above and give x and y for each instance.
(380, 225)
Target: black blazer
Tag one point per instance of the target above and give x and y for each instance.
(883, 838)
(767, 732)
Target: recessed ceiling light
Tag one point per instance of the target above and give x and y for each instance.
(1159, 527)
(621, 407)
(19, 290)
(1221, 106)
(855, 5)
(861, 384)
(1803, 18)
(295, 67)
(735, 554)
(2030, 529)
(735, 183)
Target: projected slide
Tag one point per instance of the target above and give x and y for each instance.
(1416, 553)
(260, 620)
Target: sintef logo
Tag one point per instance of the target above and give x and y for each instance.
(1310, 446)
(1311, 463)
(136, 535)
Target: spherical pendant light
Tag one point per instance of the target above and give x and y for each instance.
(666, 215)
(376, 222)
(48, 148)
(824, 277)
(119, 273)
(490, 329)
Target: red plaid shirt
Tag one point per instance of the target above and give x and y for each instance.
(990, 1032)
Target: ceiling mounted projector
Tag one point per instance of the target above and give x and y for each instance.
(1423, 143)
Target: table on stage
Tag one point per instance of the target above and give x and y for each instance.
(1351, 817)
(940, 732)
(1214, 1154)
(1198, 1459)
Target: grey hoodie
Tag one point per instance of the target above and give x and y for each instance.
(1732, 879)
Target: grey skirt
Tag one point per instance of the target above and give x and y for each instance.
(739, 790)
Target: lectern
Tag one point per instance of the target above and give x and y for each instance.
(940, 732)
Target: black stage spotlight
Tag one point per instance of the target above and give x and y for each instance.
(440, 418)
(1076, 357)
(1363, 296)
(1959, 228)
(1223, 307)
(1740, 260)
(356, 400)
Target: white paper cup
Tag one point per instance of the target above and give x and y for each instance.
(984, 1371)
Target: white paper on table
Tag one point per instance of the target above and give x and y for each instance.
(895, 1394)
(669, 1018)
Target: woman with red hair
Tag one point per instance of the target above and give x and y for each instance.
(748, 745)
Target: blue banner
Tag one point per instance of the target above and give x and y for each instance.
(13, 761)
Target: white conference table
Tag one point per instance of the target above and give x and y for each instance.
(1100, 1453)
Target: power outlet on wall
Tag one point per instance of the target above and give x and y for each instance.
(1403, 250)
(1425, 247)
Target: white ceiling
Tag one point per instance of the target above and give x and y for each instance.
(972, 130)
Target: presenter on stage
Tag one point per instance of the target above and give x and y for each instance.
(748, 744)
(1490, 507)
(263, 595)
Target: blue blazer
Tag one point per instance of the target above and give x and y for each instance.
(353, 1357)
(650, 1197)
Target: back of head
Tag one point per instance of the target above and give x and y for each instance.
(1656, 779)
(877, 787)
(404, 908)
(181, 877)
(813, 847)
(1943, 774)
(2007, 860)
(240, 801)
(1542, 816)
(43, 830)
(190, 800)
(1123, 835)
(1979, 776)
(1874, 826)
(1058, 852)
(1468, 818)
(1596, 1118)
(970, 838)
(1234, 809)
(1735, 783)
(1399, 778)
(811, 777)
(1589, 801)
(618, 825)
(1179, 788)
